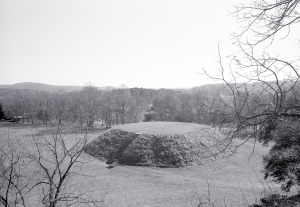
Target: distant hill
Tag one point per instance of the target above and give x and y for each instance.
(47, 87)
(209, 87)
(250, 86)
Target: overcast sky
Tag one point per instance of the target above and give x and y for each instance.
(139, 43)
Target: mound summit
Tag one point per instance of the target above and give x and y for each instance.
(161, 144)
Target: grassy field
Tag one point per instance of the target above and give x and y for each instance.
(236, 180)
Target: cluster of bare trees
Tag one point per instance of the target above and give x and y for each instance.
(258, 85)
(85, 107)
(199, 105)
(12, 187)
(44, 171)
(119, 106)
(261, 89)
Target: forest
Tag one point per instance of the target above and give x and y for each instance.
(118, 106)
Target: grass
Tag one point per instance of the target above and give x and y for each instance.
(237, 180)
(161, 128)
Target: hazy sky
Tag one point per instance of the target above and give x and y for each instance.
(139, 43)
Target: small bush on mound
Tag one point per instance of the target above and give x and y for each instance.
(167, 150)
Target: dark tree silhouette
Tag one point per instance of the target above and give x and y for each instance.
(2, 115)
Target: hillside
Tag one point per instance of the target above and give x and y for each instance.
(47, 87)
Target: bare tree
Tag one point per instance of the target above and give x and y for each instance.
(45, 174)
(13, 175)
(260, 89)
(262, 20)
(121, 98)
(90, 96)
(200, 104)
(61, 107)
(137, 105)
(57, 158)
(256, 83)
(107, 109)
(186, 108)
(45, 107)
(165, 107)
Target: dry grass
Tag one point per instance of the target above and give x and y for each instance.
(237, 180)
(162, 128)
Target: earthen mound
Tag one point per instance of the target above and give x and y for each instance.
(162, 144)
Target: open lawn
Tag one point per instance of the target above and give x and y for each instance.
(236, 180)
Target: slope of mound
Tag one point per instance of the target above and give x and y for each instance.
(160, 144)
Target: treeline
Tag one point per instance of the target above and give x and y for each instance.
(118, 106)
(213, 105)
(85, 107)
(194, 106)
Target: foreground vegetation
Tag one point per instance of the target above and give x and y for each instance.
(40, 169)
(268, 97)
